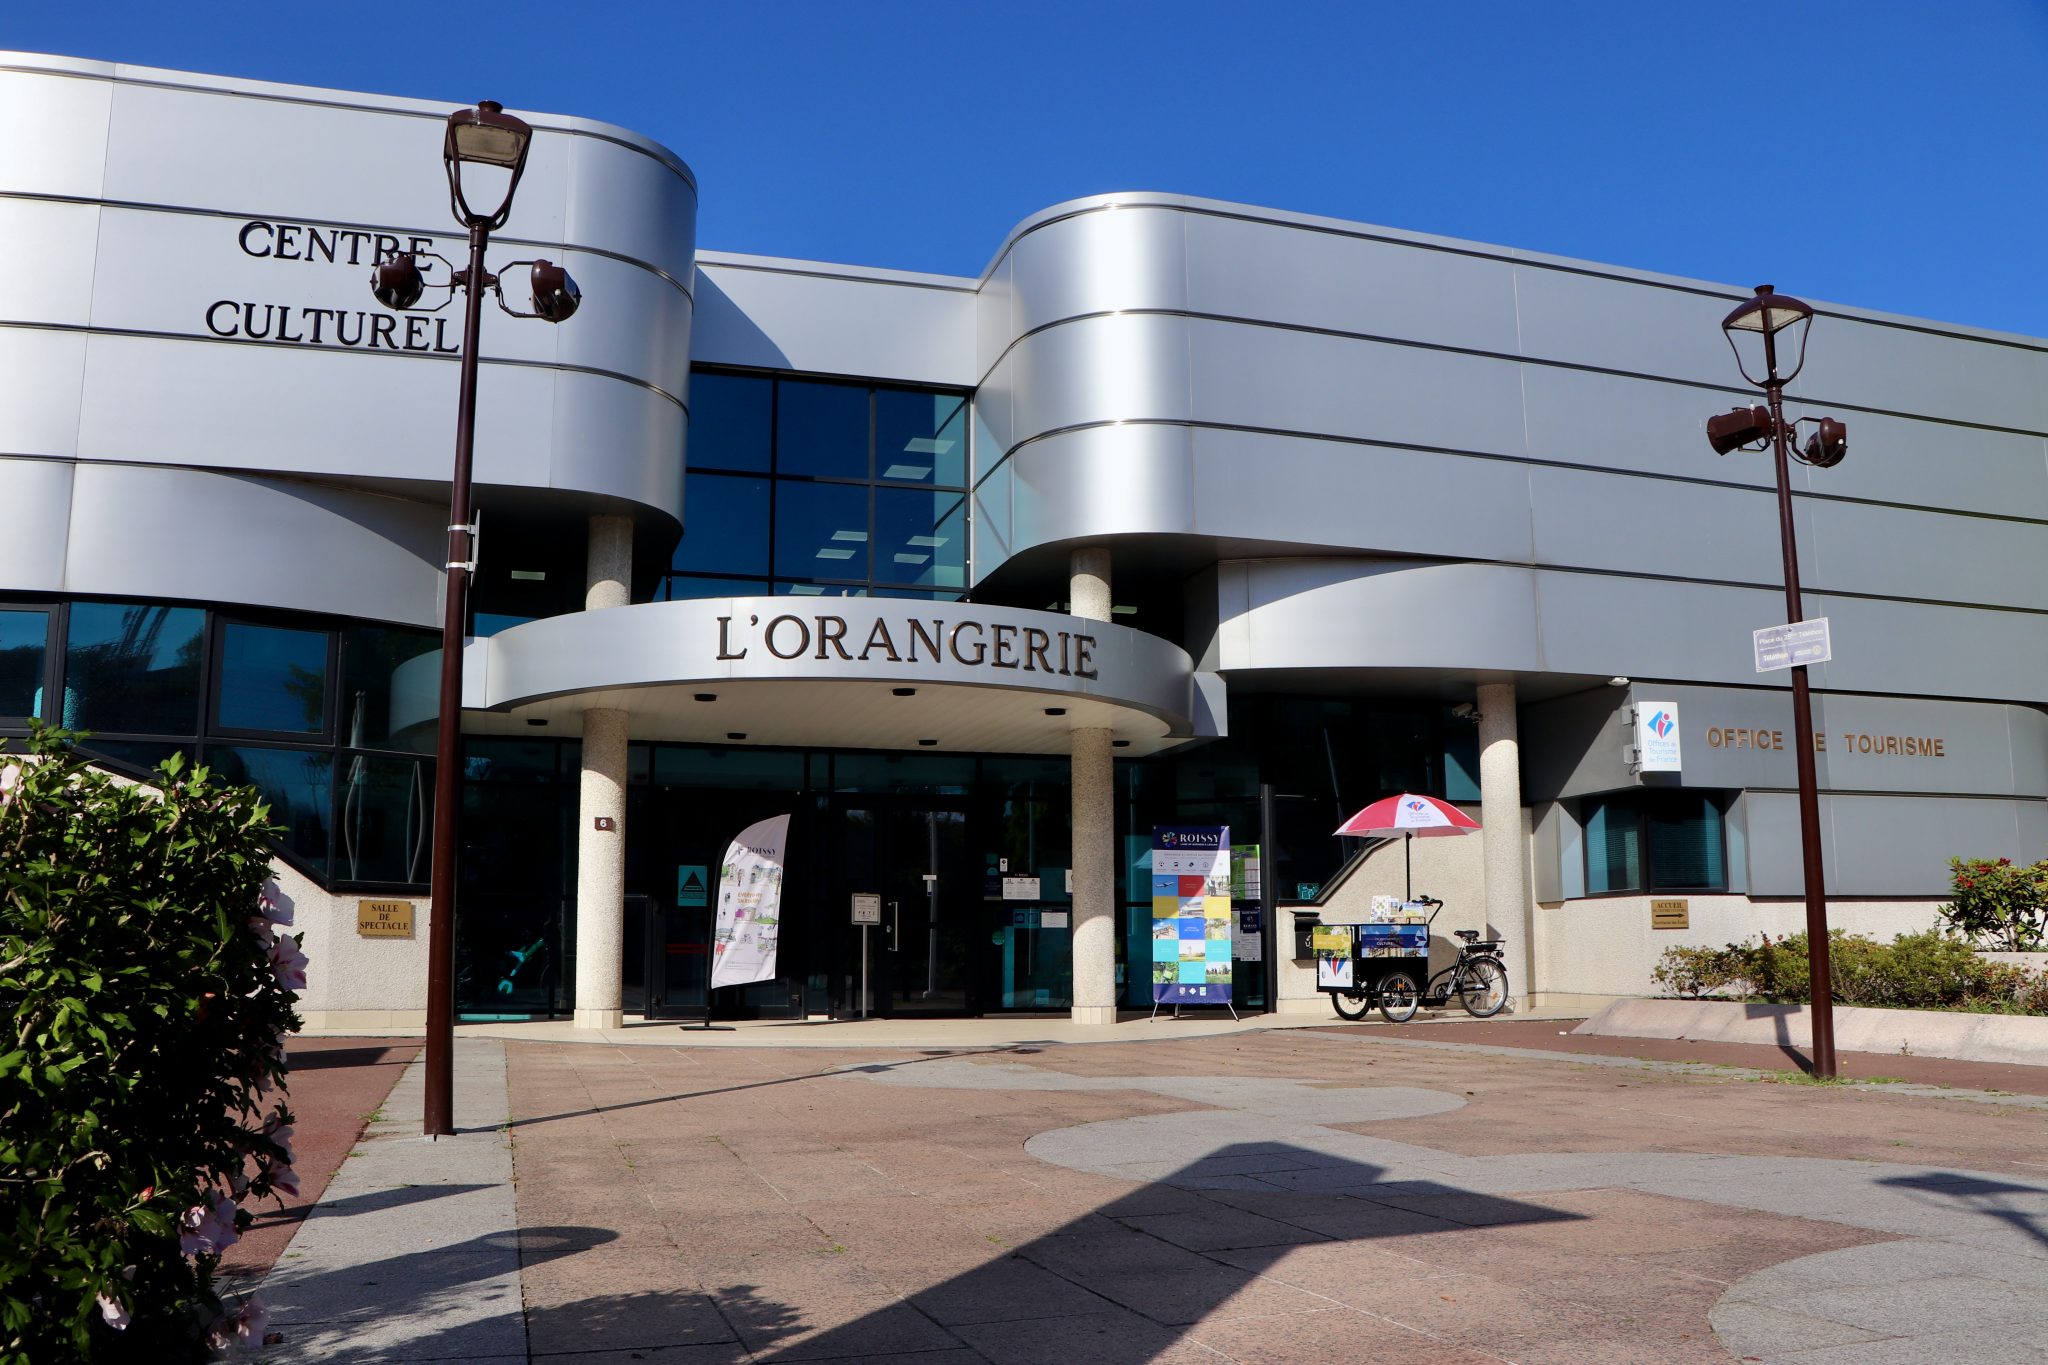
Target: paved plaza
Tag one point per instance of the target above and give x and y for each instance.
(1303, 1195)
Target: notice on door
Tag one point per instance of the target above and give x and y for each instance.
(1020, 888)
(693, 886)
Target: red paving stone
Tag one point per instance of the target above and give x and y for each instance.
(699, 1204)
(336, 1084)
(1555, 1035)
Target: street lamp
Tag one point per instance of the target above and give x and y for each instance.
(1762, 319)
(485, 147)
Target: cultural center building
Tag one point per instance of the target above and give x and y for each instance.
(1179, 512)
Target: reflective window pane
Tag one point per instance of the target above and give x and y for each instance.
(373, 676)
(683, 586)
(921, 437)
(24, 644)
(729, 422)
(1687, 849)
(920, 538)
(725, 526)
(386, 809)
(132, 669)
(821, 429)
(1614, 845)
(272, 679)
(821, 530)
(297, 784)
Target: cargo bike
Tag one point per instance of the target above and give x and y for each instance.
(1378, 965)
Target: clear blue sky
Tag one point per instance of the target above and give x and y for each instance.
(1881, 153)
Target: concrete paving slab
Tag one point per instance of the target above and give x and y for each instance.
(412, 1255)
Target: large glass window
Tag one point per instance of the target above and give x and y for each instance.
(821, 530)
(728, 519)
(297, 783)
(131, 668)
(866, 493)
(1671, 840)
(24, 650)
(921, 437)
(731, 421)
(821, 430)
(273, 680)
(371, 660)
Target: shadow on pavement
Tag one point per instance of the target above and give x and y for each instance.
(1118, 1286)
(327, 1059)
(1983, 1197)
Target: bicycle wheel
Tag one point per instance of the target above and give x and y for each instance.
(1483, 989)
(1398, 997)
(1351, 1005)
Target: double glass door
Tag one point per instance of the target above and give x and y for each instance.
(914, 856)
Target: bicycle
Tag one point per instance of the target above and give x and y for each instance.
(1393, 993)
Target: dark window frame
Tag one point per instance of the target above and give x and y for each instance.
(53, 652)
(210, 724)
(1637, 802)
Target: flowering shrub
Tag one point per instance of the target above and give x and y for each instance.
(146, 985)
(1999, 904)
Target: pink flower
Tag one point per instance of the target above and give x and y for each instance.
(204, 1232)
(10, 778)
(113, 1312)
(283, 1179)
(274, 904)
(279, 1134)
(251, 1321)
(289, 964)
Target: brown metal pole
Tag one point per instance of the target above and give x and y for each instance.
(439, 1111)
(1820, 983)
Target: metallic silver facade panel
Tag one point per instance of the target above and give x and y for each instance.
(37, 497)
(1391, 614)
(180, 533)
(1736, 738)
(826, 319)
(1883, 845)
(56, 126)
(1119, 260)
(1276, 273)
(205, 309)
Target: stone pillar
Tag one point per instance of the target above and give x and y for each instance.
(601, 809)
(1094, 820)
(1508, 910)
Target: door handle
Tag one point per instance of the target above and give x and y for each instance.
(895, 922)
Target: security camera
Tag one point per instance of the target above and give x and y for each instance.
(1465, 710)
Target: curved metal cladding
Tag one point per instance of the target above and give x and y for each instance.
(198, 396)
(1274, 384)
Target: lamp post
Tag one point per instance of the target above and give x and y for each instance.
(488, 144)
(1765, 317)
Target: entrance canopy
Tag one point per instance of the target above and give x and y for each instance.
(831, 672)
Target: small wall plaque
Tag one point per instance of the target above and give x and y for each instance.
(1671, 914)
(384, 919)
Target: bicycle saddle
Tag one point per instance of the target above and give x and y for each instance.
(1469, 935)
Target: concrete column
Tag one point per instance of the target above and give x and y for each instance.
(1508, 910)
(1094, 812)
(601, 809)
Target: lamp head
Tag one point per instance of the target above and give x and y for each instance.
(1828, 445)
(555, 295)
(396, 281)
(484, 146)
(1742, 427)
(1766, 316)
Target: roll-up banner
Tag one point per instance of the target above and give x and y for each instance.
(1191, 914)
(749, 904)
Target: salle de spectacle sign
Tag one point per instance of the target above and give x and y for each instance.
(971, 643)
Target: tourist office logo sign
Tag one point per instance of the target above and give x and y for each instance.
(1657, 737)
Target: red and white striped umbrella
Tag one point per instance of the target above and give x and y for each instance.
(1408, 814)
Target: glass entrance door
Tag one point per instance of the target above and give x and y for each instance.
(914, 856)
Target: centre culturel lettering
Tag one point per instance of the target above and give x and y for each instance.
(304, 325)
(975, 644)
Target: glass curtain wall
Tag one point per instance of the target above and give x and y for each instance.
(811, 488)
(299, 707)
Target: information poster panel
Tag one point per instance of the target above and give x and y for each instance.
(1191, 914)
(749, 904)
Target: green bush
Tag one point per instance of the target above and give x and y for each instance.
(1928, 970)
(1999, 904)
(146, 994)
